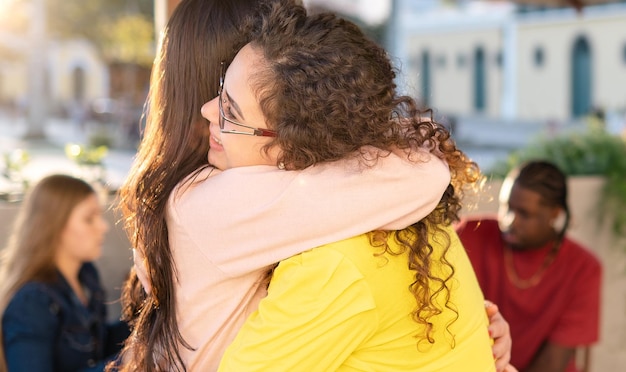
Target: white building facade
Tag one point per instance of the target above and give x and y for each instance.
(74, 74)
(492, 60)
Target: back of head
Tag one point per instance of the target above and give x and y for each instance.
(325, 87)
(544, 178)
(199, 35)
(37, 231)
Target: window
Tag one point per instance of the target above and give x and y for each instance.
(480, 80)
(539, 57)
(581, 70)
(78, 84)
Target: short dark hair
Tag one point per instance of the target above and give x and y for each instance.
(547, 180)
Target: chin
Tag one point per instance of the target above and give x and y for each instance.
(217, 161)
(511, 241)
(517, 246)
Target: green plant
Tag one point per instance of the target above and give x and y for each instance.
(90, 161)
(86, 155)
(100, 139)
(14, 163)
(594, 152)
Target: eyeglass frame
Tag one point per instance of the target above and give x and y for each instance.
(260, 132)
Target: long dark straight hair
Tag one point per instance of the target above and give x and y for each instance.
(199, 35)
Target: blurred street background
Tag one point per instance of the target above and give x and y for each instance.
(500, 74)
(484, 141)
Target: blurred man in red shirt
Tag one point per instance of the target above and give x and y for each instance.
(546, 285)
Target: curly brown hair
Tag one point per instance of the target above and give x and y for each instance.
(328, 91)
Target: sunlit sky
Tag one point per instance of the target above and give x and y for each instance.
(4, 5)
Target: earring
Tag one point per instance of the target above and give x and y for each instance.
(281, 166)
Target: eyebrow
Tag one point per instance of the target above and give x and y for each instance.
(234, 105)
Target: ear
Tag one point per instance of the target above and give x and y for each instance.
(558, 222)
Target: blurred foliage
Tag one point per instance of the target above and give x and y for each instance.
(129, 39)
(14, 163)
(100, 21)
(90, 160)
(127, 23)
(593, 152)
(86, 155)
(99, 139)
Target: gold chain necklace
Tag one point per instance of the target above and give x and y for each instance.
(534, 279)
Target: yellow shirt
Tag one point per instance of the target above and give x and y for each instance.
(346, 307)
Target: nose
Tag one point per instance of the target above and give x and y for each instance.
(210, 111)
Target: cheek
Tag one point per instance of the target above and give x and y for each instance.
(244, 151)
(85, 241)
(231, 155)
(535, 231)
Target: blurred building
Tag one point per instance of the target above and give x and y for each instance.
(74, 75)
(498, 60)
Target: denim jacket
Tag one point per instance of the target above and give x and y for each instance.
(46, 328)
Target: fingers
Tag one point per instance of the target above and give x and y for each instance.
(509, 368)
(492, 309)
(502, 354)
(499, 331)
(498, 326)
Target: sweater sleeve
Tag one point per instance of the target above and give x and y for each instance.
(250, 217)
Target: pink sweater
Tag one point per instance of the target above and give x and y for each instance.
(225, 232)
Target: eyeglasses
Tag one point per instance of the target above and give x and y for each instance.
(252, 131)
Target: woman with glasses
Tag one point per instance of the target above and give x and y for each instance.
(201, 253)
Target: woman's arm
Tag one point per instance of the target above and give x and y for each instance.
(260, 215)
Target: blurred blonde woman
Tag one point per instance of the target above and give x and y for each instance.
(51, 298)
